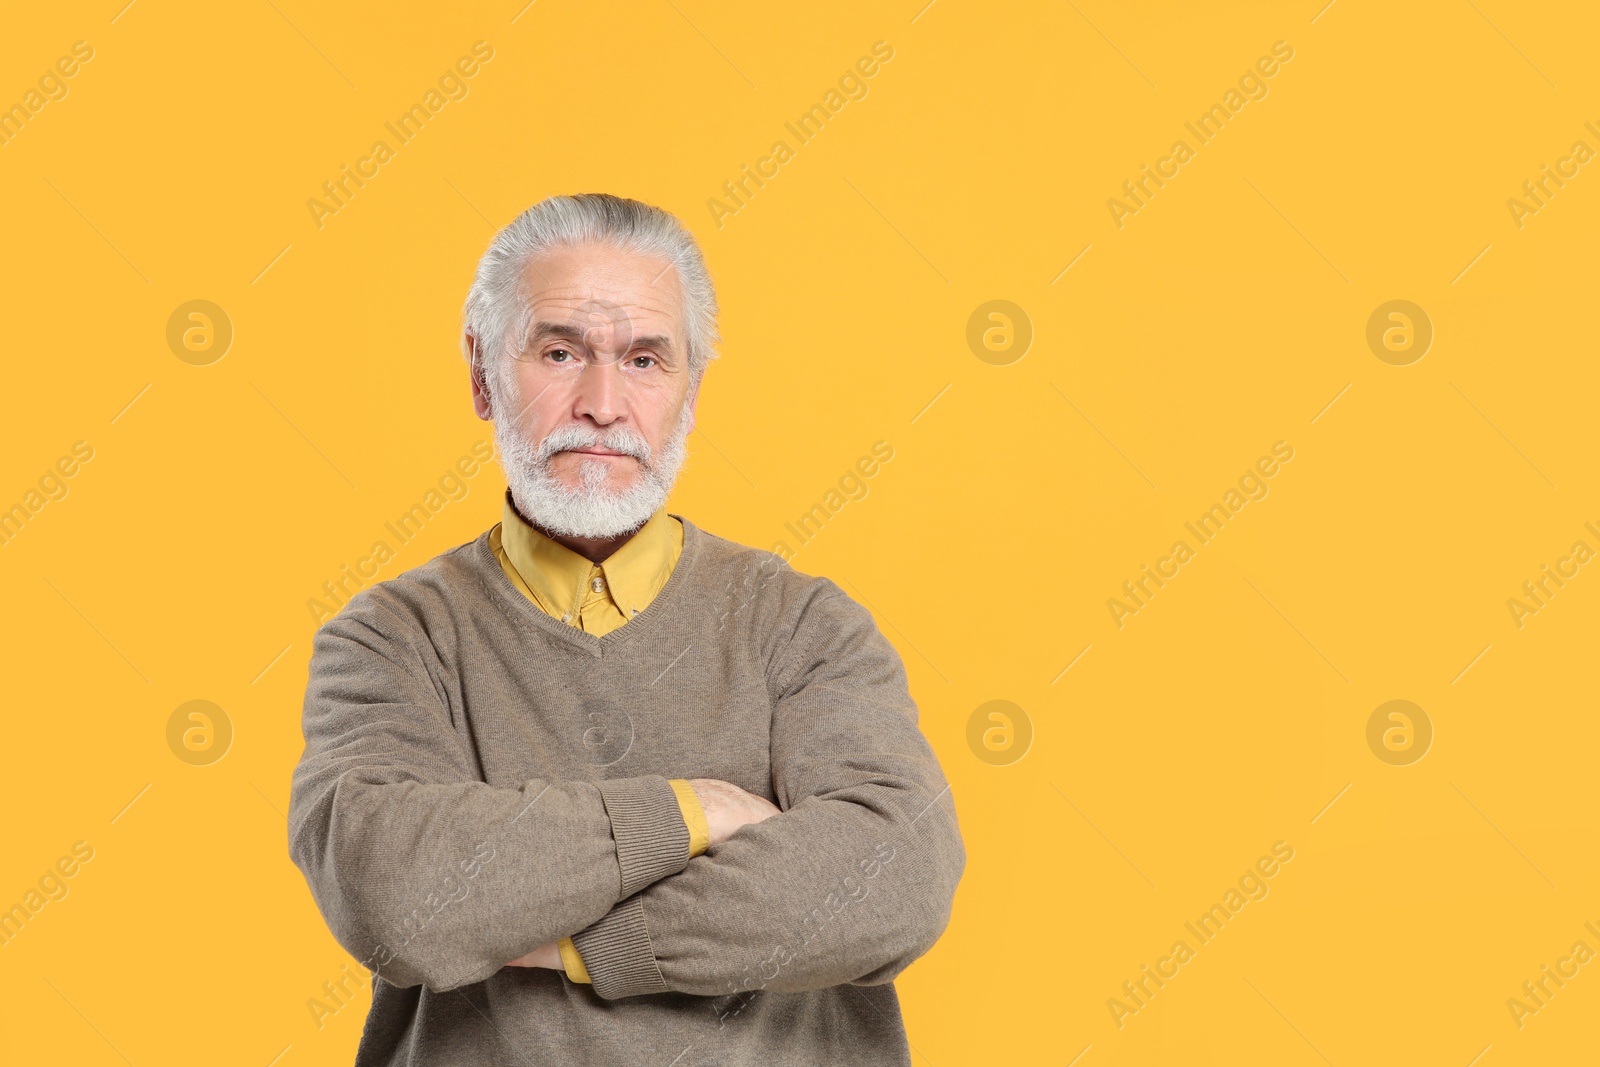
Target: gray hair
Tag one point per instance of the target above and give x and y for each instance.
(497, 313)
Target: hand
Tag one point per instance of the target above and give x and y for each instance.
(548, 955)
(728, 807)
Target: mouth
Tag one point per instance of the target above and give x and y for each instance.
(599, 452)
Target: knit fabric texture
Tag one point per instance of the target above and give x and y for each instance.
(480, 779)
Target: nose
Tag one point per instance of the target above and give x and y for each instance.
(600, 391)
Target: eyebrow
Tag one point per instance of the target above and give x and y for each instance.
(544, 330)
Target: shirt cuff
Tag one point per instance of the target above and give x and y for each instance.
(573, 962)
(694, 816)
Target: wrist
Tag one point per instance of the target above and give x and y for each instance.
(694, 815)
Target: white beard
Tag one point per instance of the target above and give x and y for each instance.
(591, 510)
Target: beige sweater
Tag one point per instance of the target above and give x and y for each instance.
(480, 779)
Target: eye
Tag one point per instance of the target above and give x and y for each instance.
(646, 356)
(558, 351)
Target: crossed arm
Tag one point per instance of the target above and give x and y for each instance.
(712, 810)
(432, 878)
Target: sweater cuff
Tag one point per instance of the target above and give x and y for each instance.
(694, 816)
(571, 962)
(649, 829)
(618, 955)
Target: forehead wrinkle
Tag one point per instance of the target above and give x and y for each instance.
(572, 297)
(640, 321)
(605, 294)
(581, 324)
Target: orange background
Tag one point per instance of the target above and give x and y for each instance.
(1230, 312)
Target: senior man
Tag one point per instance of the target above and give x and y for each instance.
(599, 786)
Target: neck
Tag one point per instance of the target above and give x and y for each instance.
(593, 549)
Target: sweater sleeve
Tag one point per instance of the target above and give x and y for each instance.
(694, 816)
(855, 877)
(425, 873)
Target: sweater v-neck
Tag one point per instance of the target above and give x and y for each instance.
(663, 603)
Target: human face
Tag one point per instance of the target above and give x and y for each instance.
(591, 413)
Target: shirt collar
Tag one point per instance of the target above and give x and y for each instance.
(559, 578)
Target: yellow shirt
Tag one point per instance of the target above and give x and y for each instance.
(597, 598)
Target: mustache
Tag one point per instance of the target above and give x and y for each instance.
(617, 439)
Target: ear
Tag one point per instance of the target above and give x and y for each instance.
(694, 395)
(480, 388)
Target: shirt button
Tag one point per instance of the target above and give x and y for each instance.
(598, 584)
